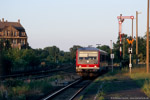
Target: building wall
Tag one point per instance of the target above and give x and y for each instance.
(17, 39)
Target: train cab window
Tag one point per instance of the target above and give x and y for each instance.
(80, 58)
(92, 58)
(86, 58)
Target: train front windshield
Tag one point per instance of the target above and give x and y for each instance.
(88, 57)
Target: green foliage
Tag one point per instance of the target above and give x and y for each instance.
(142, 79)
(40, 85)
(101, 96)
(21, 90)
(13, 83)
(53, 54)
(15, 59)
(146, 87)
(81, 97)
(73, 52)
(20, 58)
(125, 58)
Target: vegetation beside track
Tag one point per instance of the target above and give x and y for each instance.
(142, 79)
(118, 80)
(13, 89)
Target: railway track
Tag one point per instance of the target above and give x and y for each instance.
(70, 91)
(33, 75)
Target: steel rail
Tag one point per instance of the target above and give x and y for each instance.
(29, 73)
(64, 88)
(80, 90)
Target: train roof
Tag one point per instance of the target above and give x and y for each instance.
(92, 49)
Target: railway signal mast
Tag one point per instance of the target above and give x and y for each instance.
(130, 41)
(121, 20)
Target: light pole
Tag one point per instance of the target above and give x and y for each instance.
(132, 28)
(123, 37)
(110, 46)
(111, 54)
(137, 36)
(147, 49)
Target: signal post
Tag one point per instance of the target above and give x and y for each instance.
(121, 20)
(111, 54)
(130, 41)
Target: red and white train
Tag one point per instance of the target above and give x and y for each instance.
(90, 61)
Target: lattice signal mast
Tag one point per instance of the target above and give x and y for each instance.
(121, 20)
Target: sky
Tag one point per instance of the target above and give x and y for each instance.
(65, 23)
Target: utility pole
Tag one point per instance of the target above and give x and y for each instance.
(123, 37)
(137, 36)
(110, 46)
(147, 49)
(0, 58)
(111, 54)
(132, 28)
(123, 48)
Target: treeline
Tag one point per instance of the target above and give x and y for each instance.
(125, 55)
(12, 60)
(124, 58)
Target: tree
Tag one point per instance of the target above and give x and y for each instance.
(53, 54)
(73, 52)
(30, 57)
(124, 54)
(5, 62)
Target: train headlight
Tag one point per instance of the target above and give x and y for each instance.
(95, 66)
(79, 66)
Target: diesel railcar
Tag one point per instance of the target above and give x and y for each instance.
(90, 61)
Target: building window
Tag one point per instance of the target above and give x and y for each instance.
(5, 33)
(23, 34)
(14, 33)
(8, 33)
(19, 33)
(22, 41)
(14, 41)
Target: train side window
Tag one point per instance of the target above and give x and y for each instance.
(100, 58)
(103, 57)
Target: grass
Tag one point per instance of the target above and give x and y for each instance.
(101, 96)
(110, 84)
(95, 86)
(142, 79)
(81, 97)
(14, 89)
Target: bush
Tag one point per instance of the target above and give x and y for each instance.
(146, 87)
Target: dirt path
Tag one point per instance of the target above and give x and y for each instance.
(124, 90)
